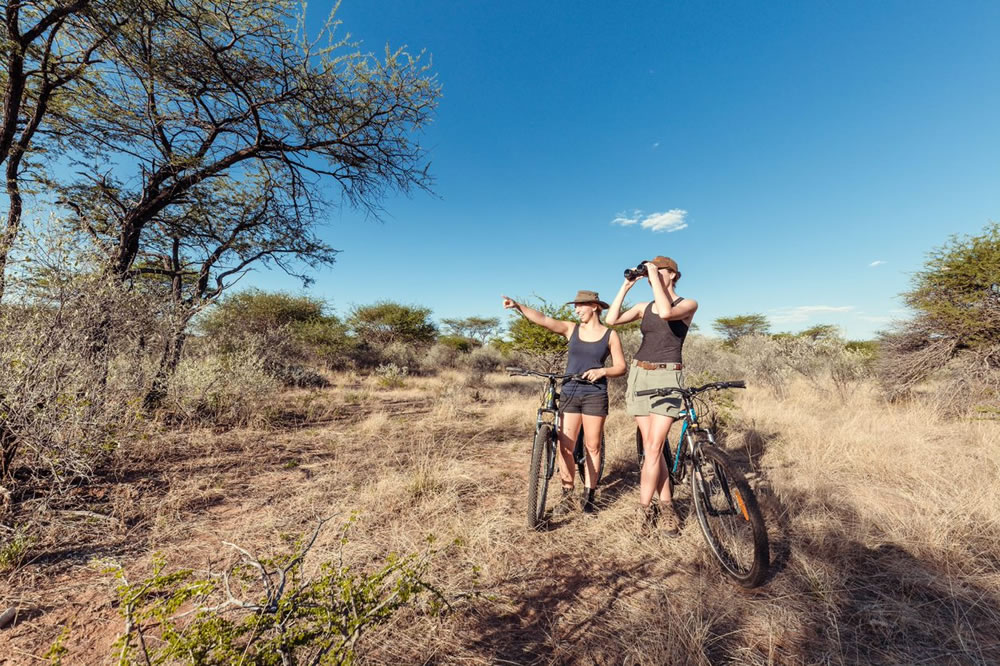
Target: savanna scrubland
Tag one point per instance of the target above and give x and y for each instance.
(190, 474)
(120, 521)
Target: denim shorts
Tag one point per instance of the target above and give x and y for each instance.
(591, 404)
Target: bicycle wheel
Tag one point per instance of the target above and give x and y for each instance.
(642, 452)
(579, 456)
(729, 517)
(538, 475)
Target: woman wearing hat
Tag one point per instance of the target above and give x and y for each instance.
(657, 364)
(583, 404)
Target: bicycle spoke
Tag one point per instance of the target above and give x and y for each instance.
(730, 518)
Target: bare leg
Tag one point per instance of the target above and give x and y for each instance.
(659, 430)
(593, 426)
(655, 477)
(568, 432)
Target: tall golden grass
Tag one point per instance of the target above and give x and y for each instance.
(883, 519)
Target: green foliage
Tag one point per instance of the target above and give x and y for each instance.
(458, 342)
(820, 332)
(264, 611)
(58, 649)
(14, 550)
(256, 311)
(537, 340)
(867, 348)
(479, 329)
(954, 295)
(306, 331)
(386, 322)
(391, 375)
(741, 326)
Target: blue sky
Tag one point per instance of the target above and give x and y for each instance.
(796, 159)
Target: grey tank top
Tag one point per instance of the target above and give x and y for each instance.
(585, 355)
(661, 340)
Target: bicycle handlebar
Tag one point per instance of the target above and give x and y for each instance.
(512, 370)
(714, 386)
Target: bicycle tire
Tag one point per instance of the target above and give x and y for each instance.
(640, 451)
(579, 453)
(729, 516)
(538, 475)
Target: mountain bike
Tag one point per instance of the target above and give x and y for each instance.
(727, 508)
(545, 447)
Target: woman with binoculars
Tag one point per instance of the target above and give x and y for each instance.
(583, 403)
(665, 323)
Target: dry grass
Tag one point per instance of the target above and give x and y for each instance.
(886, 537)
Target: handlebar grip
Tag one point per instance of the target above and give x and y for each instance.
(737, 384)
(514, 370)
(646, 392)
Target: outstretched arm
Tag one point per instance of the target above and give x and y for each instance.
(564, 328)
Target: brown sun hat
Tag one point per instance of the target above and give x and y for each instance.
(666, 262)
(586, 296)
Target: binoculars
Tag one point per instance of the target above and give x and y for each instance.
(637, 272)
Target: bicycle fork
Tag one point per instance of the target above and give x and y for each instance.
(734, 501)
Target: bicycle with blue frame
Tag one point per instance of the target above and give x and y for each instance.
(727, 509)
(545, 446)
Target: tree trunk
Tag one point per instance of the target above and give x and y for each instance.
(9, 442)
(170, 358)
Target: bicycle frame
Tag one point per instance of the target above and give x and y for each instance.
(550, 408)
(689, 422)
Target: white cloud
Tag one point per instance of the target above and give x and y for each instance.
(627, 219)
(878, 262)
(674, 219)
(803, 313)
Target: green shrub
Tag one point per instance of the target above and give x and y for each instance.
(956, 293)
(229, 388)
(391, 375)
(386, 322)
(258, 312)
(458, 342)
(439, 356)
(956, 304)
(265, 611)
(540, 345)
(741, 326)
(484, 359)
(298, 325)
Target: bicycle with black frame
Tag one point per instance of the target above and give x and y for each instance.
(545, 446)
(727, 509)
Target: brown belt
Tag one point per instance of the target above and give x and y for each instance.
(659, 366)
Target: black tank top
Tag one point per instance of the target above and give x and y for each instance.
(585, 355)
(661, 340)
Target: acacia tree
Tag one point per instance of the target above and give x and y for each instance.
(479, 329)
(46, 46)
(384, 323)
(740, 326)
(211, 90)
(956, 306)
(548, 349)
(214, 131)
(212, 243)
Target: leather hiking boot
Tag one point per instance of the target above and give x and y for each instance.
(569, 503)
(669, 522)
(645, 519)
